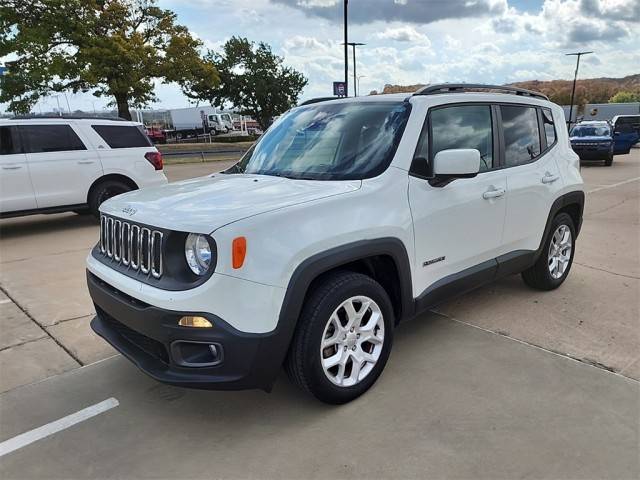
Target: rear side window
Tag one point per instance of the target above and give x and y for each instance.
(50, 138)
(9, 141)
(463, 126)
(549, 128)
(521, 136)
(122, 136)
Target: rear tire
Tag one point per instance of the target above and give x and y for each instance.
(553, 265)
(104, 191)
(343, 338)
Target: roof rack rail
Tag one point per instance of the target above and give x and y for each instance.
(462, 87)
(318, 99)
(68, 117)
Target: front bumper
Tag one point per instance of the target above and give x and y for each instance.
(149, 337)
(592, 153)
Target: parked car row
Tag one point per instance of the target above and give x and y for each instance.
(601, 140)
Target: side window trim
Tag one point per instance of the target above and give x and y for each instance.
(542, 132)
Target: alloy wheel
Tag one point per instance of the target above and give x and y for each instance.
(560, 251)
(352, 341)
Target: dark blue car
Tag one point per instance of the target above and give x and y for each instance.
(593, 141)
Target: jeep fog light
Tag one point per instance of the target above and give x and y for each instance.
(197, 252)
(197, 322)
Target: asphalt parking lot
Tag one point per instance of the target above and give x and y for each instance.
(505, 382)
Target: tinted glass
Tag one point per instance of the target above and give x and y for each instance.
(329, 141)
(521, 137)
(549, 128)
(590, 131)
(50, 138)
(122, 136)
(9, 143)
(465, 126)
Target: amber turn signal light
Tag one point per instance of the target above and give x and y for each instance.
(238, 251)
(197, 322)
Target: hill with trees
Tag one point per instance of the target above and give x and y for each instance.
(593, 90)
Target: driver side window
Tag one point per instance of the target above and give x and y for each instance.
(463, 126)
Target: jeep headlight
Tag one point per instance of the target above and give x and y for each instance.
(197, 252)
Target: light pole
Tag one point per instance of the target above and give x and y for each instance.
(359, 77)
(354, 45)
(346, 50)
(575, 77)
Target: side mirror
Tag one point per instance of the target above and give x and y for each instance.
(616, 134)
(456, 163)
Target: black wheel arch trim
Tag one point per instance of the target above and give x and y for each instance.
(572, 198)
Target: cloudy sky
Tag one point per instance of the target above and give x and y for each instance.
(420, 41)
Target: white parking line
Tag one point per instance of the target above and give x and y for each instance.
(614, 185)
(6, 300)
(63, 423)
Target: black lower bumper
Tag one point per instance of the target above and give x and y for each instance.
(151, 338)
(592, 154)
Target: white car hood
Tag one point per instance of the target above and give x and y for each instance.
(202, 205)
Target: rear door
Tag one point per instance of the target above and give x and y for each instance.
(62, 168)
(533, 176)
(16, 191)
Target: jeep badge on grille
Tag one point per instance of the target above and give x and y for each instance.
(129, 210)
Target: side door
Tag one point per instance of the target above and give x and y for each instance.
(624, 136)
(16, 191)
(61, 166)
(533, 176)
(458, 226)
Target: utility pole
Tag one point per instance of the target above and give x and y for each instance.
(346, 50)
(355, 78)
(575, 77)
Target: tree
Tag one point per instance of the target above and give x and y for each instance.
(254, 80)
(625, 97)
(114, 48)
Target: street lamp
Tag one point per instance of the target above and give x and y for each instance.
(346, 50)
(354, 45)
(359, 77)
(575, 77)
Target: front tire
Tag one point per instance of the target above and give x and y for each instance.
(553, 265)
(609, 160)
(343, 338)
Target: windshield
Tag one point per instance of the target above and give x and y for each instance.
(339, 141)
(591, 131)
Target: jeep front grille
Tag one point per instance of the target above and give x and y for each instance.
(136, 247)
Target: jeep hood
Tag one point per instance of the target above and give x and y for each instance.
(202, 205)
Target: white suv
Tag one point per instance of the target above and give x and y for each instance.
(345, 218)
(50, 165)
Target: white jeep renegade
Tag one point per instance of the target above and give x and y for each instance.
(345, 218)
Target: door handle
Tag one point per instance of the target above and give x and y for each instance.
(85, 162)
(494, 193)
(12, 167)
(550, 178)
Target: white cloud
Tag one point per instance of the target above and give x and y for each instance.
(405, 33)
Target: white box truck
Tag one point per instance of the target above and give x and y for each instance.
(193, 121)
